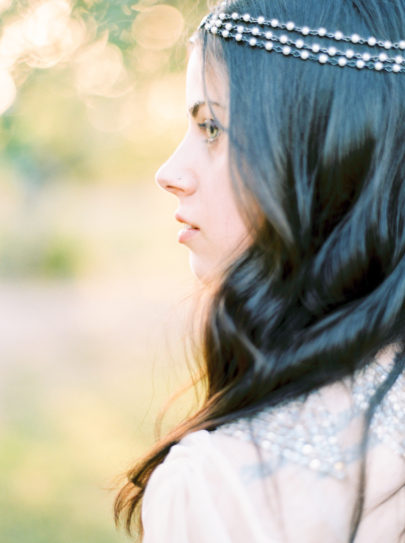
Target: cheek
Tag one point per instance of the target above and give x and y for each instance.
(227, 234)
(226, 239)
(226, 216)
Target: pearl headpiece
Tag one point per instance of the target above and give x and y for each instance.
(289, 40)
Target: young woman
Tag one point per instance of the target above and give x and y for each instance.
(291, 190)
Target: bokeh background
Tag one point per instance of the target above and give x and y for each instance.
(94, 290)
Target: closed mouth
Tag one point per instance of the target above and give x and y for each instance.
(186, 224)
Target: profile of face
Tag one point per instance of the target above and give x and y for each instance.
(198, 175)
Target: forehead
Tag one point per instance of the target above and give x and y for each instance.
(215, 81)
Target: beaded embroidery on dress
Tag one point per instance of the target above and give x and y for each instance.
(317, 434)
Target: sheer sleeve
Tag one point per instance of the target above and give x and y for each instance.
(195, 496)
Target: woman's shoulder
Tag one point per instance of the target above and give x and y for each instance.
(200, 457)
(195, 496)
(248, 475)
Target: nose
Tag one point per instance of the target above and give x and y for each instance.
(176, 175)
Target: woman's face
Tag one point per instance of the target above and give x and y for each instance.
(198, 175)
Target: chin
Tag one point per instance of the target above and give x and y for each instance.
(199, 268)
(205, 269)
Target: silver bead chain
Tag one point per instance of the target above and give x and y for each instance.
(258, 32)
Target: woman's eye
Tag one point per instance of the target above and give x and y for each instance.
(211, 130)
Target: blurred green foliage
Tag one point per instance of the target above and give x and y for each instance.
(91, 102)
(91, 92)
(63, 448)
(45, 73)
(48, 256)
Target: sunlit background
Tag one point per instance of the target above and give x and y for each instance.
(94, 290)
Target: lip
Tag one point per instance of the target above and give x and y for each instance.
(186, 234)
(183, 220)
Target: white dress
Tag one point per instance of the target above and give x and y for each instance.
(288, 475)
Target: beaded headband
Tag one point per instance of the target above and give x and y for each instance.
(287, 39)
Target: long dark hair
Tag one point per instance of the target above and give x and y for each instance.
(318, 154)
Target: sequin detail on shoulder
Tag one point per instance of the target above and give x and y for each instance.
(312, 433)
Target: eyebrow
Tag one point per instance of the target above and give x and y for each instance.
(195, 108)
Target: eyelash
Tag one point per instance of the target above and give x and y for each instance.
(210, 124)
